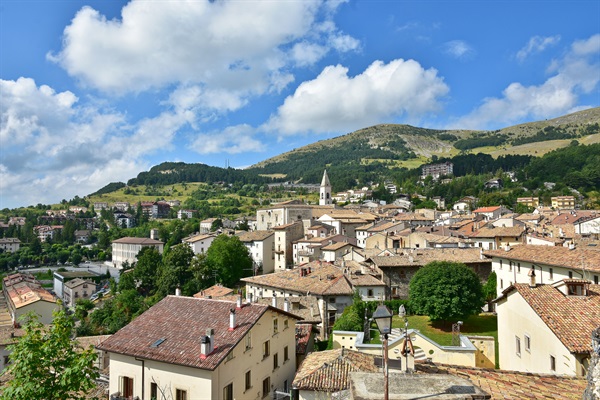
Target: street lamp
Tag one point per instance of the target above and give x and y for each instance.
(383, 318)
(402, 314)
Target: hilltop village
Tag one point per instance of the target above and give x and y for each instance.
(272, 324)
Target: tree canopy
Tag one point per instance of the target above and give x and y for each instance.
(446, 291)
(46, 363)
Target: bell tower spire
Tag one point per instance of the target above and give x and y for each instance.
(325, 190)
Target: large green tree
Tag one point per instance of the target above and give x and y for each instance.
(46, 363)
(228, 258)
(446, 291)
(146, 270)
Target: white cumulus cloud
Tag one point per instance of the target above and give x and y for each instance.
(224, 45)
(53, 148)
(337, 102)
(232, 140)
(537, 44)
(574, 74)
(458, 49)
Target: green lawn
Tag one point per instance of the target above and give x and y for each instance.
(481, 325)
(441, 333)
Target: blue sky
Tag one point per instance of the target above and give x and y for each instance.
(93, 92)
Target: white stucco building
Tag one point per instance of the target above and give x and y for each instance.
(193, 348)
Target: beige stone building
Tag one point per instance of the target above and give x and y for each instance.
(547, 328)
(550, 263)
(10, 245)
(76, 289)
(188, 348)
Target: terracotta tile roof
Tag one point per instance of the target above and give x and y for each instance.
(285, 226)
(511, 385)
(569, 218)
(303, 335)
(571, 318)
(486, 209)
(530, 217)
(336, 246)
(551, 255)
(181, 321)
(435, 238)
(198, 237)
(136, 240)
(412, 217)
(324, 279)
(214, 292)
(9, 335)
(425, 256)
(489, 232)
(254, 236)
(94, 341)
(329, 371)
(24, 289)
(304, 307)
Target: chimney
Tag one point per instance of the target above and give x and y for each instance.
(312, 311)
(571, 245)
(274, 300)
(507, 247)
(177, 291)
(232, 323)
(309, 271)
(206, 343)
(248, 297)
(531, 275)
(286, 305)
(238, 304)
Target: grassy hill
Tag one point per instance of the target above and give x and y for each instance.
(409, 147)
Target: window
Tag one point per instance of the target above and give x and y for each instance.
(551, 273)
(6, 360)
(510, 266)
(229, 356)
(153, 391)
(126, 386)
(518, 345)
(332, 299)
(228, 392)
(286, 355)
(248, 341)
(266, 349)
(275, 326)
(286, 324)
(501, 283)
(527, 343)
(275, 361)
(266, 387)
(180, 394)
(370, 292)
(595, 279)
(519, 268)
(500, 264)
(552, 363)
(248, 384)
(570, 274)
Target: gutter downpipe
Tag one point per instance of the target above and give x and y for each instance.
(143, 383)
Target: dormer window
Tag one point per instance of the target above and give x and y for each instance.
(577, 289)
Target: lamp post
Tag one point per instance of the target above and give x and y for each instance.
(383, 318)
(402, 314)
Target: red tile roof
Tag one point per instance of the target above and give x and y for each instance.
(511, 385)
(571, 318)
(324, 279)
(486, 209)
(181, 321)
(577, 258)
(329, 371)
